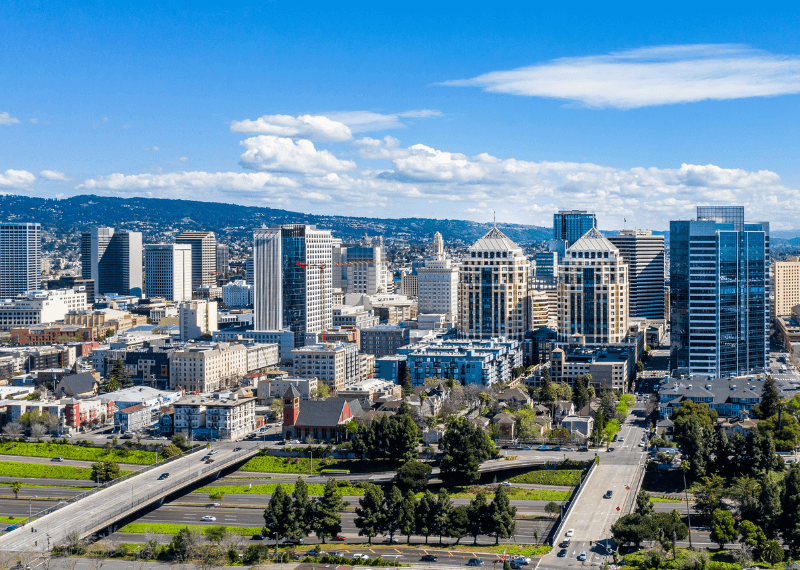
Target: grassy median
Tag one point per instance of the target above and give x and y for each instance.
(39, 471)
(78, 452)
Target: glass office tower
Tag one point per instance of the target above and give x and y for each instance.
(572, 224)
(719, 292)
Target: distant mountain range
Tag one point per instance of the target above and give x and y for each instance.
(154, 216)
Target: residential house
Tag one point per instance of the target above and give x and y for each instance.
(83, 385)
(514, 397)
(506, 423)
(579, 425)
(133, 418)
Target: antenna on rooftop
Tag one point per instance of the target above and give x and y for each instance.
(494, 217)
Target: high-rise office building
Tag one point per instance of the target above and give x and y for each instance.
(493, 289)
(786, 286)
(249, 271)
(570, 225)
(204, 257)
(223, 260)
(292, 279)
(644, 254)
(20, 258)
(546, 265)
(437, 283)
(168, 271)
(113, 260)
(593, 290)
(719, 292)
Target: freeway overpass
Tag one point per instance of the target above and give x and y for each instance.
(102, 508)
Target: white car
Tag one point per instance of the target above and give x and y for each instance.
(360, 557)
(209, 518)
(391, 540)
(570, 533)
(582, 555)
(505, 484)
(522, 560)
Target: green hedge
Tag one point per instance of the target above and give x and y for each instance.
(556, 477)
(272, 464)
(38, 471)
(78, 452)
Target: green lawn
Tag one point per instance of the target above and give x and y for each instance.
(555, 477)
(163, 528)
(37, 471)
(78, 452)
(302, 465)
(522, 495)
(269, 489)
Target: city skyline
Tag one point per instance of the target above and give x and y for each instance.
(427, 113)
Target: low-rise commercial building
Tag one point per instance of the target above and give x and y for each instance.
(383, 340)
(36, 307)
(607, 366)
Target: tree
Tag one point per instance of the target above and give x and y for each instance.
(745, 491)
(279, 514)
(370, 519)
(170, 451)
(770, 399)
(216, 494)
(16, 487)
(770, 509)
(118, 374)
(37, 431)
(303, 510)
(408, 388)
(629, 530)
(501, 516)
(179, 441)
(752, 537)
(394, 508)
(580, 394)
(465, 446)
(105, 471)
(426, 515)
(644, 506)
(327, 522)
(639, 366)
(710, 494)
(215, 533)
(459, 522)
(547, 392)
(691, 443)
(276, 407)
(443, 514)
(478, 507)
(723, 527)
(552, 508)
(13, 429)
(184, 543)
(789, 522)
(773, 552)
(407, 519)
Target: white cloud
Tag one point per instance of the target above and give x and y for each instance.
(6, 119)
(659, 75)
(34, 121)
(53, 175)
(311, 127)
(364, 121)
(156, 148)
(183, 159)
(278, 154)
(17, 179)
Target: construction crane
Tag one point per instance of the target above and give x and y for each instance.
(321, 267)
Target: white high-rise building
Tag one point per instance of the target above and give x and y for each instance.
(168, 271)
(493, 286)
(437, 283)
(292, 279)
(20, 258)
(367, 270)
(593, 293)
(644, 254)
(204, 257)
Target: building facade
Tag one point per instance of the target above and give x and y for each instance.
(719, 293)
(493, 289)
(593, 290)
(237, 294)
(335, 364)
(37, 307)
(437, 283)
(570, 225)
(20, 258)
(197, 319)
(384, 340)
(644, 254)
(168, 271)
(363, 268)
(204, 257)
(786, 286)
(113, 260)
(206, 368)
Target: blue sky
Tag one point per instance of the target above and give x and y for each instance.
(446, 110)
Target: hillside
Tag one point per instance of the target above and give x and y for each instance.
(154, 216)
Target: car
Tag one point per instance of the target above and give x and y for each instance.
(524, 560)
(210, 461)
(641, 444)
(292, 541)
(556, 448)
(475, 562)
(391, 540)
(570, 533)
(429, 558)
(208, 518)
(257, 537)
(505, 484)
(205, 458)
(213, 505)
(163, 476)
(359, 556)
(237, 448)
(11, 527)
(59, 458)
(621, 439)
(582, 555)
(568, 449)
(69, 435)
(335, 553)
(542, 448)
(112, 436)
(609, 449)
(562, 553)
(339, 538)
(608, 494)
(213, 451)
(515, 564)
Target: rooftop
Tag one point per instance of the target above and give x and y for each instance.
(593, 240)
(495, 240)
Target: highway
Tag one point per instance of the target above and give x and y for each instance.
(101, 507)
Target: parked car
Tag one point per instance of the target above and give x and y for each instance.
(391, 540)
(522, 559)
(556, 448)
(163, 476)
(429, 558)
(59, 458)
(292, 541)
(542, 448)
(570, 533)
(582, 555)
(208, 518)
(257, 537)
(359, 556)
(568, 449)
(339, 538)
(11, 527)
(475, 562)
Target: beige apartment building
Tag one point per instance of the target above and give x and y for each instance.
(206, 368)
(593, 290)
(493, 289)
(786, 286)
(223, 418)
(335, 364)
